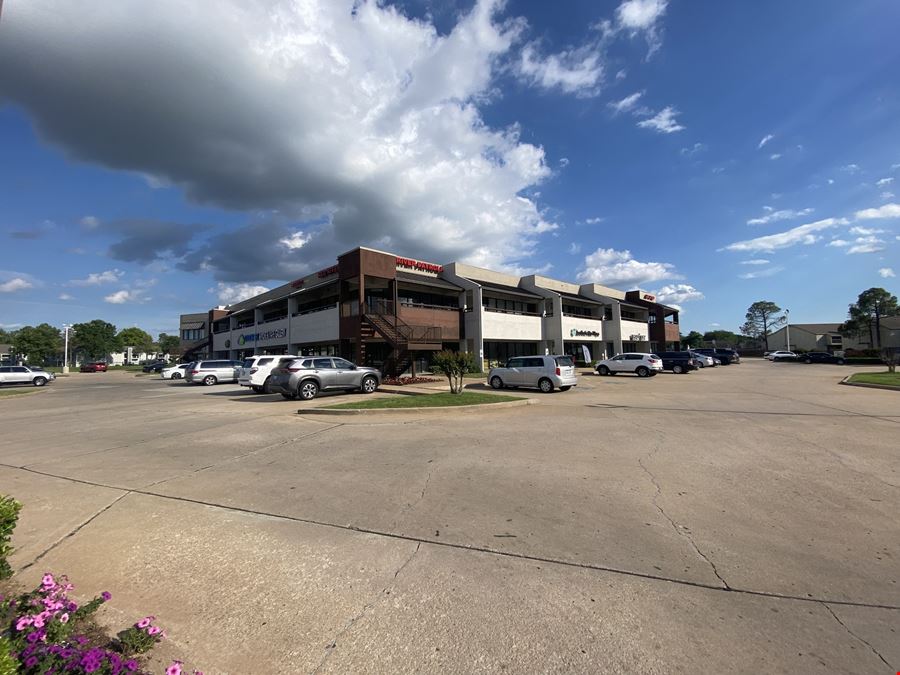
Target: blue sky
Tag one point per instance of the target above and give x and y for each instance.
(157, 160)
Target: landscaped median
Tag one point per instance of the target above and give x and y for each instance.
(886, 380)
(467, 400)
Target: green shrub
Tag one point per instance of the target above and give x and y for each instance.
(8, 664)
(454, 365)
(9, 514)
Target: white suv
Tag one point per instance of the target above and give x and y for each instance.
(255, 371)
(642, 365)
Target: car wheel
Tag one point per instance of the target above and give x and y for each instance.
(369, 385)
(256, 390)
(545, 385)
(209, 380)
(496, 383)
(176, 376)
(289, 397)
(603, 370)
(840, 362)
(643, 371)
(266, 386)
(308, 390)
(564, 388)
(677, 369)
(700, 364)
(39, 381)
(807, 360)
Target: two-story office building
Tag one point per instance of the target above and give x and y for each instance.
(393, 312)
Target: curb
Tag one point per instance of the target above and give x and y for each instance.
(866, 385)
(437, 409)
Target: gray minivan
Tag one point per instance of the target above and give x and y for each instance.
(544, 372)
(212, 371)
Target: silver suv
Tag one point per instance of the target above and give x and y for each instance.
(306, 376)
(255, 372)
(212, 372)
(25, 375)
(544, 372)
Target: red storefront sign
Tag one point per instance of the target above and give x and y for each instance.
(419, 265)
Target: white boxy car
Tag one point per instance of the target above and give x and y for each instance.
(642, 365)
(544, 372)
(25, 375)
(255, 371)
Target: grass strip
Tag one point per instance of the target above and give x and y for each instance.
(18, 392)
(443, 399)
(885, 379)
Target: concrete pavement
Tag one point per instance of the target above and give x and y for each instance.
(741, 518)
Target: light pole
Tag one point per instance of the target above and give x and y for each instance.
(787, 328)
(66, 328)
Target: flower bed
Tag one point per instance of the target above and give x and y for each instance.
(401, 381)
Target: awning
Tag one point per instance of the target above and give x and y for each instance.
(411, 278)
(193, 325)
(508, 290)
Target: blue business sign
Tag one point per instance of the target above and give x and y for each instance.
(265, 335)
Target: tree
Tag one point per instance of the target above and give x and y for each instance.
(139, 340)
(454, 365)
(761, 318)
(722, 337)
(891, 357)
(96, 338)
(6, 337)
(868, 310)
(169, 344)
(692, 339)
(38, 343)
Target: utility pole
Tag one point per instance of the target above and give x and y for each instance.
(787, 328)
(66, 327)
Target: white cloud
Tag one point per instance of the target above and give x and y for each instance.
(98, 278)
(65, 296)
(803, 234)
(367, 119)
(126, 295)
(886, 272)
(594, 221)
(866, 245)
(695, 149)
(297, 240)
(831, 181)
(865, 231)
(90, 222)
(838, 243)
(642, 16)
(887, 195)
(884, 182)
(230, 294)
(610, 267)
(11, 326)
(664, 121)
(773, 216)
(622, 74)
(850, 168)
(894, 167)
(574, 248)
(765, 139)
(776, 155)
(674, 293)
(761, 274)
(577, 71)
(15, 284)
(626, 104)
(755, 261)
(886, 211)
(563, 162)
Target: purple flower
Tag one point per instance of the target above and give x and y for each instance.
(47, 580)
(106, 595)
(131, 665)
(72, 607)
(174, 669)
(31, 662)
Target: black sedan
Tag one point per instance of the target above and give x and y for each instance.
(820, 357)
(154, 367)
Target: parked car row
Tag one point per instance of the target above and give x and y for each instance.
(291, 376)
(647, 365)
(809, 357)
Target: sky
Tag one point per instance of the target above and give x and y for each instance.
(167, 157)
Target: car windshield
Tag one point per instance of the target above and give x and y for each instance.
(564, 361)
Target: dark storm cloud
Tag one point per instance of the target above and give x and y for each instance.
(143, 240)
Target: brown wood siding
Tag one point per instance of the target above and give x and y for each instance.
(447, 320)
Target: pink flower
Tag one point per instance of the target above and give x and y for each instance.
(38, 622)
(153, 630)
(47, 580)
(64, 618)
(174, 669)
(146, 621)
(23, 623)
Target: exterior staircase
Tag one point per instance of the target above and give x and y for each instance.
(403, 338)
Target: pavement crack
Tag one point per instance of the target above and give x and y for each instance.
(680, 530)
(75, 531)
(359, 616)
(857, 637)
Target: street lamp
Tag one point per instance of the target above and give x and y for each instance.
(787, 328)
(66, 328)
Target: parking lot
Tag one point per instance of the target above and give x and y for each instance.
(736, 519)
